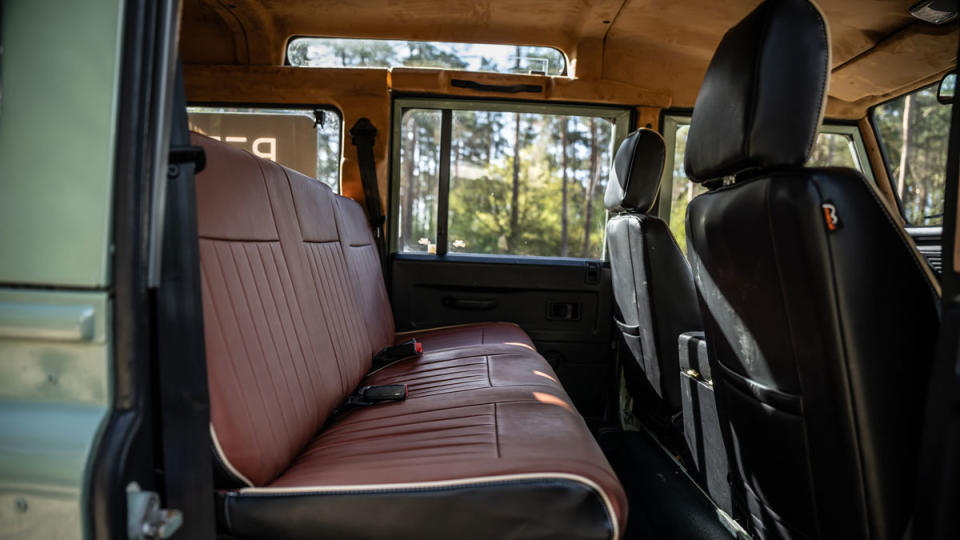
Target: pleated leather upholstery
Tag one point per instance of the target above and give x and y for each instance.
(268, 393)
(294, 310)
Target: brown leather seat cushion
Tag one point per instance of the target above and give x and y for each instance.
(487, 444)
(434, 339)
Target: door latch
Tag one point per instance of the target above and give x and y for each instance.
(145, 519)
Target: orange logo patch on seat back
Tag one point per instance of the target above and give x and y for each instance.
(831, 216)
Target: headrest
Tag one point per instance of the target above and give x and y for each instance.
(637, 169)
(763, 97)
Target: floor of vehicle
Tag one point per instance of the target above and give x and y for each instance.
(664, 501)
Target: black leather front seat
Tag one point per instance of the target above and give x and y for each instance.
(652, 282)
(820, 316)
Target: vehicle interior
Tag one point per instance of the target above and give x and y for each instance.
(528, 269)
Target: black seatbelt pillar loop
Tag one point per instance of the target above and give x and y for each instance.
(363, 134)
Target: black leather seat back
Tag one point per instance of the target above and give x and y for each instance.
(820, 317)
(652, 282)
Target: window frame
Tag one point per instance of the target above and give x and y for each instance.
(288, 107)
(622, 117)
(671, 121)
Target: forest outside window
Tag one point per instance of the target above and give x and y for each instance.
(837, 145)
(913, 132)
(305, 140)
(503, 179)
(386, 53)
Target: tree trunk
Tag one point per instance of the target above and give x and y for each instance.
(489, 138)
(904, 146)
(515, 197)
(456, 161)
(564, 243)
(591, 184)
(409, 182)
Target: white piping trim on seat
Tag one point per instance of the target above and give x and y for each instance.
(608, 504)
(223, 458)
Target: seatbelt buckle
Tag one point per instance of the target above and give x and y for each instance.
(398, 352)
(379, 393)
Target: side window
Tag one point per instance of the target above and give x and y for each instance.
(683, 190)
(835, 147)
(305, 140)
(913, 131)
(520, 182)
(419, 174)
(834, 150)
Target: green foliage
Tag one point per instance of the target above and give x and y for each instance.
(920, 187)
(833, 150)
(333, 52)
(485, 146)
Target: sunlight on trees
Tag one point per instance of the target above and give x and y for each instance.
(919, 123)
(520, 183)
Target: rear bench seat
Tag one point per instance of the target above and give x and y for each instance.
(487, 444)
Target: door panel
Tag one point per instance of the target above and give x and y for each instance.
(565, 305)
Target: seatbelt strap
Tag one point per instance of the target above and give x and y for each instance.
(363, 134)
(181, 366)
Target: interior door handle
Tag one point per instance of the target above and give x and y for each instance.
(475, 304)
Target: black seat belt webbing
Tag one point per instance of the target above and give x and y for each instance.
(181, 366)
(363, 134)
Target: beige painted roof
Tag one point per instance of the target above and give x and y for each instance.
(662, 45)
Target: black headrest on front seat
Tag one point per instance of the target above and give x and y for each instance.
(762, 99)
(637, 168)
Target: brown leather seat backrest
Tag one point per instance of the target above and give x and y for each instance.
(360, 251)
(286, 338)
(333, 285)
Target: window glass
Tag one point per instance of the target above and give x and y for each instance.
(521, 183)
(834, 150)
(420, 171)
(913, 131)
(683, 189)
(333, 52)
(294, 138)
(830, 150)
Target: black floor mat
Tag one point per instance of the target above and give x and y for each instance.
(664, 501)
